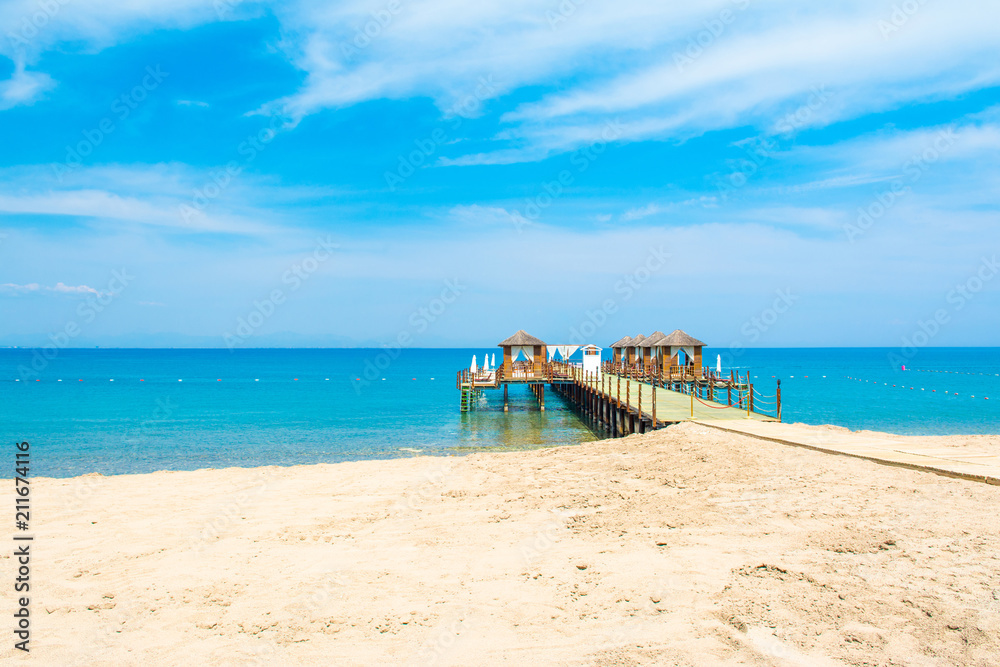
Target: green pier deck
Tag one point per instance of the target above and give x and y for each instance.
(671, 406)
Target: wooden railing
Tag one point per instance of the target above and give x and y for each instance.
(734, 389)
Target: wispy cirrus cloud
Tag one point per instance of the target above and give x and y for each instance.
(140, 196)
(23, 87)
(678, 71)
(667, 71)
(58, 288)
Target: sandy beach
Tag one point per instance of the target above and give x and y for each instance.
(689, 546)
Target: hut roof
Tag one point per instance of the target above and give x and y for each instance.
(678, 337)
(635, 341)
(520, 338)
(653, 339)
(621, 343)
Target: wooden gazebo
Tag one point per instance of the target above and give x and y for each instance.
(534, 350)
(633, 349)
(616, 348)
(650, 346)
(676, 341)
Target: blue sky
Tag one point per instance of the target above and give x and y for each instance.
(758, 173)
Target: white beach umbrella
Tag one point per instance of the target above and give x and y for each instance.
(718, 364)
(472, 368)
(486, 362)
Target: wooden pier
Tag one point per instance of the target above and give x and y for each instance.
(627, 395)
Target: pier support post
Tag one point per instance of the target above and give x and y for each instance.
(654, 407)
(779, 400)
(505, 398)
(541, 397)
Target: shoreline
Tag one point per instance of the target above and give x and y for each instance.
(688, 544)
(955, 440)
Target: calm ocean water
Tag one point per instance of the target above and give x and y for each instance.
(125, 411)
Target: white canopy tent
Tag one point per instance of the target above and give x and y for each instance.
(565, 351)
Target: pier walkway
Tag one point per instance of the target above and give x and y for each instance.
(964, 463)
(670, 406)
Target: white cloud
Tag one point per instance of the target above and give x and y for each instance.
(58, 288)
(144, 195)
(32, 27)
(483, 216)
(666, 70)
(23, 87)
(766, 61)
(654, 208)
(642, 212)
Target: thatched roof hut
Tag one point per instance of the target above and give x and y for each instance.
(653, 340)
(624, 342)
(520, 338)
(678, 338)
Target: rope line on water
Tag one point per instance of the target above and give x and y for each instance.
(924, 389)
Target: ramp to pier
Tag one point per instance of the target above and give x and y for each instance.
(965, 463)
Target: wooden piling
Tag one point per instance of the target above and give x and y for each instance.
(654, 407)
(778, 395)
(639, 410)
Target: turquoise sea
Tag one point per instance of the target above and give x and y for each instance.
(118, 411)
